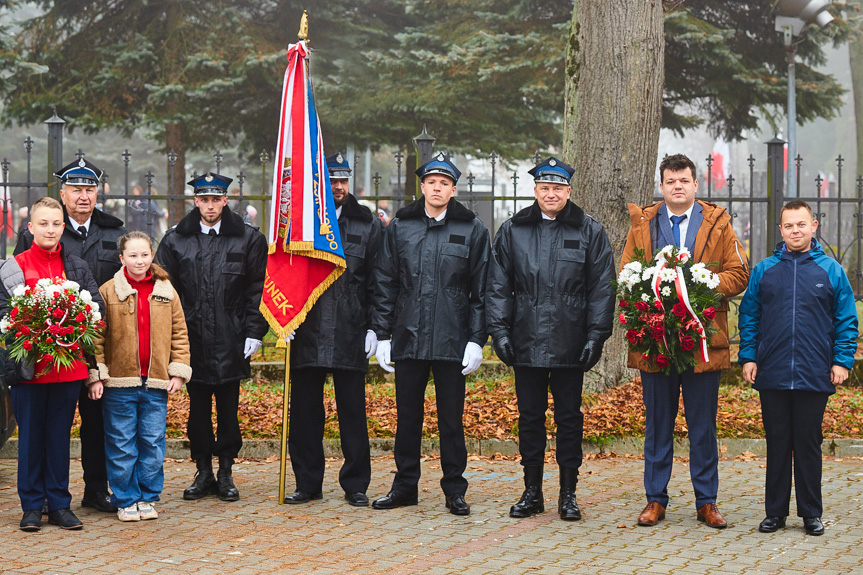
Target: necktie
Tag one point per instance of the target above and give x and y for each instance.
(83, 231)
(212, 232)
(675, 228)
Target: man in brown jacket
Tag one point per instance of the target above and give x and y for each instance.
(706, 230)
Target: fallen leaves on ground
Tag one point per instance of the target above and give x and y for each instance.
(491, 412)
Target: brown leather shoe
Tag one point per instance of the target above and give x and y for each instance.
(653, 513)
(709, 514)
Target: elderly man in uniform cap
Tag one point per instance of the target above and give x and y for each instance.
(336, 337)
(217, 264)
(430, 316)
(91, 235)
(549, 306)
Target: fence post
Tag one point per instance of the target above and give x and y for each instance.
(55, 152)
(775, 194)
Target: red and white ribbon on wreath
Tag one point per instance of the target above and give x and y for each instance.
(682, 295)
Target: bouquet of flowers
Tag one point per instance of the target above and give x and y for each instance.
(55, 323)
(667, 306)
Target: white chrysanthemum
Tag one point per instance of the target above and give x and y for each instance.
(634, 267)
(44, 282)
(68, 284)
(666, 291)
(667, 275)
(648, 273)
(96, 315)
(714, 282)
(624, 276)
(645, 297)
(85, 296)
(19, 291)
(5, 324)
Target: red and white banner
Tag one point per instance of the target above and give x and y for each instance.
(305, 250)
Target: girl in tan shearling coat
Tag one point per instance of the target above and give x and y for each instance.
(142, 356)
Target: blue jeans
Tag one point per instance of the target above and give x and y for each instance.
(135, 442)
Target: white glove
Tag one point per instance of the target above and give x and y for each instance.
(383, 355)
(290, 338)
(472, 358)
(252, 345)
(371, 344)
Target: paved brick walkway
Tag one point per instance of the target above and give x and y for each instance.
(255, 535)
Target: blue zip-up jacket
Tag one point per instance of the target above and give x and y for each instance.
(798, 319)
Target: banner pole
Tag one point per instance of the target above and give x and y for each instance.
(286, 399)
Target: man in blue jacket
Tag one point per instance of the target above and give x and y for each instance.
(798, 336)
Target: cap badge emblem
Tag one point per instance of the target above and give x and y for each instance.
(340, 159)
(208, 178)
(440, 157)
(552, 163)
(82, 163)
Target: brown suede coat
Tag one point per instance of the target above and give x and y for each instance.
(117, 349)
(716, 243)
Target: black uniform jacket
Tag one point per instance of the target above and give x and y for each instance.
(220, 280)
(549, 286)
(99, 249)
(430, 283)
(334, 332)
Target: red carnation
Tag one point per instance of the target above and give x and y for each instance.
(14, 312)
(641, 306)
(58, 313)
(621, 318)
(55, 295)
(623, 303)
(662, 361)
(47, 358)
(71, 298)
(709, 313)
(87, 307)
(633, 336)
(687, 343)
(19, 333)
(645, 357)
(82, 328)
(48, 340)
(25, 330)
(657, 304)
(27, 345)
(658, 332)
(74, 346)
(679, 310)
(79, 318)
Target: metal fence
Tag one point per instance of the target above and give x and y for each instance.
(492, 187)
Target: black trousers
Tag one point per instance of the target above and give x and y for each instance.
(531, 389)
(92, 442)
(792, 421)
(306, 432)
(228, 439)
(411, 380)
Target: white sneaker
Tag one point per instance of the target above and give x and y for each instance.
(129, 513)
(147, 511)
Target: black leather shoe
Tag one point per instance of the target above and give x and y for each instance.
(225, 480)
(204, 483)
(457, 505)
(531, 501)
(357, 499)
(771, 524)
(31, 521)
(395, 499)
(813, 525)
(98, 500)
(65, 519)
(302, 497)
(566, 504)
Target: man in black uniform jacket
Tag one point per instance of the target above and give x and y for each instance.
(336, 338)
(217, 265)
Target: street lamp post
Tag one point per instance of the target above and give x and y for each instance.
(792, 16)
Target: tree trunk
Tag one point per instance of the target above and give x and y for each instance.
(176, 173)
(615, 70)
(855, 56)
